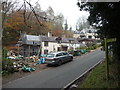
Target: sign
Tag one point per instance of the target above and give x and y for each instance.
(111, 40)
(107, 57)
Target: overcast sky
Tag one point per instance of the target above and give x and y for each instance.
(67, 7)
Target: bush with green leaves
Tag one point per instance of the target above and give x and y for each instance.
(7, 66)
(4, 53)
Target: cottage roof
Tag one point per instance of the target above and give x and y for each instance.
(73, 39)
(84, 39)
(44, 38)
(32, 38)
(52, 39)
(47, 39)
(65, 40)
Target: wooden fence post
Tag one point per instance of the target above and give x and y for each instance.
(107, 59)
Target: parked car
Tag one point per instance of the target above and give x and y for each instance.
(76, 53)
(57, 58)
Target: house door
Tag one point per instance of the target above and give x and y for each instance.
(59, 49)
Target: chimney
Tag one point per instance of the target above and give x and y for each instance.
(49, 34)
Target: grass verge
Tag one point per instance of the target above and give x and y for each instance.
(97, 79)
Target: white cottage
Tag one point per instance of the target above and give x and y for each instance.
(31, 44)
(86, 33)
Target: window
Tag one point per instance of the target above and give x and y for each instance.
(59, 48)
(50, 55)
(64, 53)
(33, 50)
(45, 43)
(59, 54)
(90, 37)
(46, 51)
(71, 41)
(89, 31)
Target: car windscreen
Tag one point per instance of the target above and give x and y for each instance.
(50, 55)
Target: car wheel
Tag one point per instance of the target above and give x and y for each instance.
(59, 63)
(71, 59)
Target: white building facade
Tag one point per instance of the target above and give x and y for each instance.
(46, 44)
(86, 33)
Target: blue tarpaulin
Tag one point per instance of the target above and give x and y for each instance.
(41, 61)
(27, 69)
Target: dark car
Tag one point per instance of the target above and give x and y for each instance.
(57, 58)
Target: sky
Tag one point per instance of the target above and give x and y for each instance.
(68, 8)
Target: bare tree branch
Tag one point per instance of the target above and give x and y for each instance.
(34, 13)
(20, 8)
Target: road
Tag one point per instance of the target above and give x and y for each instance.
(58, 77)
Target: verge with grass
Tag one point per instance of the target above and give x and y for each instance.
(97, 79)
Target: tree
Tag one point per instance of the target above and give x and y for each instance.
(106, 17)
(7, 7)
(66, 25)
(37, 8)
(68, 34)
(70, 28)
(12, 27)
(50, 13)
(59, 19)
(50, 16)
(82, 23)
(57, 33)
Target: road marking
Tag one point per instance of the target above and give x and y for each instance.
(82, 74)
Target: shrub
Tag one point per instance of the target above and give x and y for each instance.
(7, 66)
(4, 53)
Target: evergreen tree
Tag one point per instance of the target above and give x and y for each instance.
(66, 25)
(106, 17)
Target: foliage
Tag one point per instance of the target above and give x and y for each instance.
(7, 67)
(57, 33)
(96, 79)
(58, 22)
(68, 33)
(30, 20)
(7, 7)
(16, 23)
(4, 53)
(88, 48)
(66, 25)
(106, 17)
(82, 24)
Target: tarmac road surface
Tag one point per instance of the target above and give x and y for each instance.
(58, 77)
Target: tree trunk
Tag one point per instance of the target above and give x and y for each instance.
(38, 52)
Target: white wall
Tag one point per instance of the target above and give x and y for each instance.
(90, 34)
(76, 35)
(52, 46)
(74, 46)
